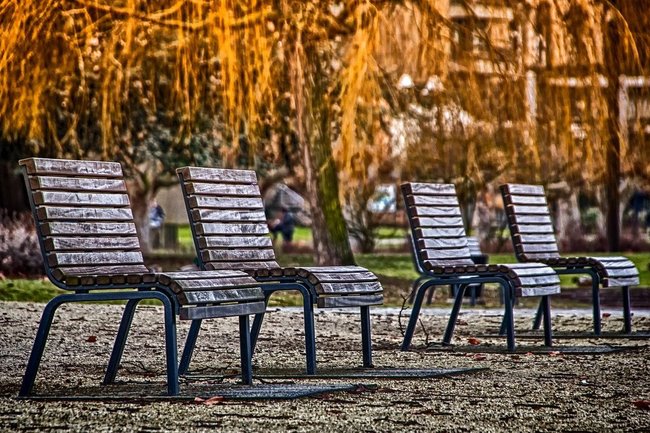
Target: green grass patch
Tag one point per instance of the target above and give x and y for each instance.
(28, 290)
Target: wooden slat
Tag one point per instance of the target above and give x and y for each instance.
(349, 301)
(535, 238)
(530, 219)
(446, 222)
(218, 175)
(349, 288)
(537, 248)
(534, 229)
(334, 277)
(72, 167)
(87, 258)
(431, 200)
(456, 232)
(204, 284)
(69, 228)
(447, 253)
(441, 243)
(523, 189)
(237, 190)
(84, 213)
(621, 282)
(80, 199)
(227, 310)
(211, 202)
(209, 215)
(537, 280)
(166, 278)
(540, 290)
(247, 266)
(234, 241)
(621, 272)
(529, 210)
(331, 269)
(66, 272)
(225, 229)
(534, 200)
(77, 183)
(438, 211)
(237, 255)
(220, 296)
(92, 243)
(429, 188)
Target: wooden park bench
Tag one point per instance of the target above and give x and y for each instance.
(230, 231)
(443, 255)
(88, 240)
(533, 238)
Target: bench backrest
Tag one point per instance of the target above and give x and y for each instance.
(227, 218)
(529, 219)
(83, 218)
(436, 224)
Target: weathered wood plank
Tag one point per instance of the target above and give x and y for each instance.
(237, 255)
(92, 243)
(456, 232)
(535, 200)
(537, 280)
(235, 241)
(447, 253)
(87, 258)
(218, 296)
(537, 248)
(530, 229)
(77, 183)
(540, 290)
(334, 277)
(437, 211)
(84, 213)
(621, 272)
(68, 228)
(217, 175)
(332, 269)
(228, 189)
(210, 202)
(349, 301)
(61, 273)
(534, 238)
(166, 278)
(245, 266)
(231, 229)
(80, 199)
(223, 284)
(447, 222)
(349, 288)
(442, 243)
(210, 215)
(432, 200)
(530, 219)
(227, 310)
(621, 282)
(522, 189)
(529, 210)
(72, 167)
(429, 188)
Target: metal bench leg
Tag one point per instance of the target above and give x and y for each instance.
(310, 333)
(504, 322)
(257, 324)
(171, 347)
(458, 300)
(472, 294)
(627, 314)
(431, 292)
(595, 296)
(538, 315)
(366, 336)
(548, 330)
(120, 341)
(190, 344)
(509, 317)
(245, 350)
(413, 320)
(39, 344)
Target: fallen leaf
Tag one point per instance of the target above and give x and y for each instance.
(642, 404)
(92, 339)
(460, 322)
(479, 357)
(555, 353)
(606, 315)
(363, 388)
(217, 399)
(474, 341)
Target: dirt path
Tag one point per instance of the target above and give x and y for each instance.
(523, 392)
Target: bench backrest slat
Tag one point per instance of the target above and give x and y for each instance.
(436, 225)
(83, 217)
(227, 216)
(529, 219)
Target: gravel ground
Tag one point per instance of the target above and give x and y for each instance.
(522, 392)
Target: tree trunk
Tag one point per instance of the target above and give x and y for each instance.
(140, 205)
(330, 233)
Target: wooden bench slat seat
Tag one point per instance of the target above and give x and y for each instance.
(230, 229)
(90, 247)
(533, 238)
(443, 255)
